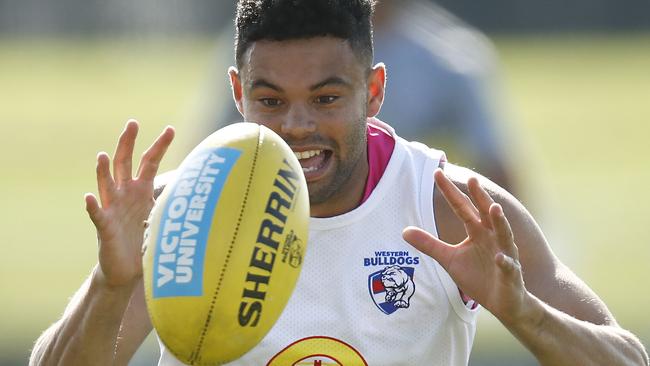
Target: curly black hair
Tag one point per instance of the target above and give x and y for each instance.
(280, 20)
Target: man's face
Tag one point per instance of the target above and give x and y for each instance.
(316, 94)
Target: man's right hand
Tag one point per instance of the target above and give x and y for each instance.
(126, 201)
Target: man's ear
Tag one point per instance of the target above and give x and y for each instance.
(376, 87)
(235, 86)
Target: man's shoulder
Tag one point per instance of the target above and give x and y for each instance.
(459, 175)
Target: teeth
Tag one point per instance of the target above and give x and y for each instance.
(307, 154)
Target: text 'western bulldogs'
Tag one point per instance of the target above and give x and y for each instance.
(389, 258)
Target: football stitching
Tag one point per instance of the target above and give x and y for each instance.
(195, 356)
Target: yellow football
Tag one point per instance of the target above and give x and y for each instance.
(225, 244)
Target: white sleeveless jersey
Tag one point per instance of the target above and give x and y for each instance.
(365, 296)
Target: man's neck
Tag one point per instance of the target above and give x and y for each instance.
(381, 144)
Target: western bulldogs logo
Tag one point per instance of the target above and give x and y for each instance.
(392, 288)
(399, 286)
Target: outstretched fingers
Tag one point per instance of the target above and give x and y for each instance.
(123, 159)
(504, 235)
(94, 211)
(482, 200)
(458, 201)
(151, 158)
(105, 181)
(428, 244)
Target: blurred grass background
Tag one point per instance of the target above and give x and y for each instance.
(580, 121)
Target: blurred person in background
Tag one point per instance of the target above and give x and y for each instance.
(442, 85)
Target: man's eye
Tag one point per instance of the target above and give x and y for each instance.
(326, 99)
(270, 102)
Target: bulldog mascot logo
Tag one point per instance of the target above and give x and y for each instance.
(392, 288)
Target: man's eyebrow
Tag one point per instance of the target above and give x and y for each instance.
(333, 80)
(261, 83)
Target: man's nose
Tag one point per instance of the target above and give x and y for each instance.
(298, 122)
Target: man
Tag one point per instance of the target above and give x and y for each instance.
(365, 297)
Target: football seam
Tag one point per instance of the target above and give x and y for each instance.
(195, 356)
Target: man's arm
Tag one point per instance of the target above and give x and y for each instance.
(135, 327)
(555, 315)
(88, 331)
(136, 324)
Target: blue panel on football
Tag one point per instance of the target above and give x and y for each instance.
(186, 220)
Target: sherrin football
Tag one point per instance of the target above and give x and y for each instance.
(225, 244)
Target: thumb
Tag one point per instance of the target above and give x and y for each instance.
(93, 209)
(428, 244)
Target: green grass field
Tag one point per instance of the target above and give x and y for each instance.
(578, 107)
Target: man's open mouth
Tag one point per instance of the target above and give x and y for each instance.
(313, 162)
